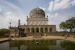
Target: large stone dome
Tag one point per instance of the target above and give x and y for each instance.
(37, 13)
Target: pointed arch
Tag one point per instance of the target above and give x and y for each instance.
(32, 30)
(28, 29)
(46, 29)
(37, 30)
(50, 30)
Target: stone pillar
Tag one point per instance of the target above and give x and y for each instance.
(48, 30)
(39, 29)
(30, 30)
(35, 30)
(44, 30)
(52, 29)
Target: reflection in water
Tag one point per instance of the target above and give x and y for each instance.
(57, 46)
(68, 45)
(4, 46)
(31, 44)
(43, 45)
(14, 48)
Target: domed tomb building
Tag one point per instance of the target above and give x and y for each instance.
(37, 17)
(37, 24)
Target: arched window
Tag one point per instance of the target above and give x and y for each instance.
(50, 29)
(46, 29)
(32, 30)
(37, 30)
(41, 29)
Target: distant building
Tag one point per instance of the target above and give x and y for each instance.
(37, 23)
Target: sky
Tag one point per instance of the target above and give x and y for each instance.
(57, 10)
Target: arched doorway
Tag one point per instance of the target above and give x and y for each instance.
(32, 30)
(41, 29)
(50, 30)
(46, 29)
(37, 30)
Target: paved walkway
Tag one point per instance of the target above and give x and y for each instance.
(43, 37)
(48, 37)
(2, 39)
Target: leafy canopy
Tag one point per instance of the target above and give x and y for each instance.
(68, 24)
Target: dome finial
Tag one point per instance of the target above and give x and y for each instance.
(27, 16)
(47, 16)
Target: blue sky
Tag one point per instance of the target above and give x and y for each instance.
(57, 10)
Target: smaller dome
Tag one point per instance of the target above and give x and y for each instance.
(37, 13)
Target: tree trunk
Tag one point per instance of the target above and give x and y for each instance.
(71, 30)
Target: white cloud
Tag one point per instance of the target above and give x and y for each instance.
(13, 6)
(51, 23)
(51, 4)
(0, 9)
(11, 17)
(73, 2)
(53, 15)
(8, 13)
(56, 14)
(42, 8)
(57, 0)
(60, 4)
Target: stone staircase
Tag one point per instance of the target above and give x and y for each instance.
(37, 35)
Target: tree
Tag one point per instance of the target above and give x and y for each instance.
(68, 24)
(63, 25)
(3, 32)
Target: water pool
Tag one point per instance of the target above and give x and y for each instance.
(42, 45)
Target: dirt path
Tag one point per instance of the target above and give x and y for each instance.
(2, 39)
(47, 37)
(43, 37)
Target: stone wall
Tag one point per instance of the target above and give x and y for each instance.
(52, 34)
(61, 33)
(37, 21)
(14, 32)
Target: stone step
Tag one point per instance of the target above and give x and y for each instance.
(36, 35)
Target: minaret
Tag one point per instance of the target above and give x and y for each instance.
(37, 6)
(10, 24)
(19, 22)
